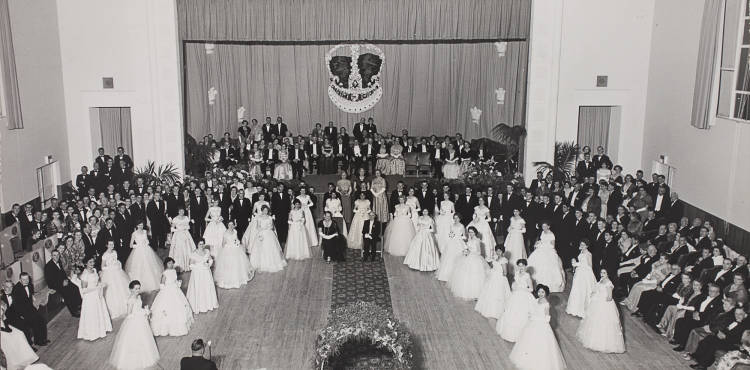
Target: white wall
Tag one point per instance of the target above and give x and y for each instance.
(37, 52)
(713, 166)
(136, 43)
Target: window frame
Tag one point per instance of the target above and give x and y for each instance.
(3, 92)
(744, 16)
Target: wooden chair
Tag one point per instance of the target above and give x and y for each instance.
(411, 164)
(425, 164)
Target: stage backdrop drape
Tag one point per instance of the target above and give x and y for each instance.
(326, 20)
(8, 70)
(706, 67)
(116, 129)
(593, 126)
(428, 88)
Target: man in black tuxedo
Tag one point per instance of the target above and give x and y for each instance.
(227, 155)
(26, 221)
(330, 132)
(465, 205)
(137, 210)
(241, 208)
(493, 202)
(108, 234)
(156, 211)
(313, 151)
(174, 202)
(722, 276)
(281, 204)
(426, 198)
(341, 153)
(83, 181)
(12, 314)
(23, 295)
(359, 130)
(124, 227)
(395, 194)
(437, 156)
(371, 237)
(270, 157)
(675, 209)
(56, 279)
(510, 202)
(585, 168)
(709, 306)
(297, 158)
(663, 294)
(725, 338)
(536, 182)
(197, 361)
(601, 157)
(357, 157)
(198, 210)
(121, 156)
(370, 128)
(566, 231)
(13, 216)
(279, 128)
(267, 130)
(369, 152)
(102, 159)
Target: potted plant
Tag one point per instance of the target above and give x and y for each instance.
(564, 165)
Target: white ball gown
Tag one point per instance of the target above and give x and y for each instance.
(413, 202)
(94, 322)
(399, 232)
(600, 329)
(18, 352)
(582, 286)
(297, 240)
(495, 291)
(283, 170)
(312, 233)
(143, 264)
(423, 254)
(545, 265)
(251, 233)
(451, 168)
(115, 282)
(452, 250)
(517, 310)
(232, 269)
(135, 347)
(469, 272)
(515, 248)
(214, 233)
(182, 242)
(537, 348)
(443, 223)
(361, 210)
(481, 222)
(266, 254)
(171, 314)
(201, 292)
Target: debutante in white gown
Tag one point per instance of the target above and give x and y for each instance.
(469, 272)
(94, 322)
(361, 210)
(312, 234)
(266, 254)
(481, 222)
(545, 265)
(232, 269)
(518, 308)
(115, 282)
(600, 330)
(182, 242)
(214, 234)
(297, 241)
(201, 292)
(452, 250)
(515, 249)
(413, 202)
(423, 254)
(143, 264)
(251, 233)
(495, 291)
(171, 314)
(18, 352)
(582, 286)
(399, 232)
(537, 348)
(443, 222)
(135, 347)
(283, 170)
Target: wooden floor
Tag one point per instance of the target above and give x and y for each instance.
(270, 323)
(450, 335)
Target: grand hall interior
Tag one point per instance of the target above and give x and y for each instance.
(374, 184)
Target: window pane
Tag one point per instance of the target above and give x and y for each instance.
(731, 25)
(725, 94)
(746, 33)
(742, 106)
(743, 71)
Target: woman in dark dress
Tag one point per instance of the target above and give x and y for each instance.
(327, 161)
(331, 240)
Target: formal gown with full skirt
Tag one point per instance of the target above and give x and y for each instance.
(94, 322)
(143, 264)
(537, 347)
(515, 249)
(469, 272)
(399, 232)
(135, 347)
(517, 310)
(582, 286)
(214, 233)
(361, 211)
(182, 243)
(18, 352)
(380, 201)
(115, 282)
(312, 234)
(600, 329)
(201, 292)
(250, 237)
(423, 254)
(481, 222)
(453, 249)
(266, 254)
(495, 291)
(171, 314)
(232, 269)
(297, 240)
(443, 222)
(546, 266)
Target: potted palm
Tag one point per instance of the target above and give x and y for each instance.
(564, 165)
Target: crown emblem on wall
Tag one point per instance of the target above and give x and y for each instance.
(355, 76)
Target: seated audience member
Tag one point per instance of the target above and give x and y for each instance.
(701, 266)
(665, 291)
(642, 267)
(706, 309)
(54, 275)
(722, 276)
(660, 270)
(741, 356)
(723, 333)
(685, 306)
(196, 361)
(16, 352)
(737, 290)
(23, 297)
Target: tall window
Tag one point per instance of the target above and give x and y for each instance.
(3, 111)
(734, 75)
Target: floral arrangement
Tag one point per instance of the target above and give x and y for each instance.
(368, 322)
(483, 173)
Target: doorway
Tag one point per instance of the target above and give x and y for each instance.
(110, 129)
(599, 125)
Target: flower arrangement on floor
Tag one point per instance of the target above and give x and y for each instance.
(483, 173)
(364, 322)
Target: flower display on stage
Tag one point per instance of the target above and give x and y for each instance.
(355, 78)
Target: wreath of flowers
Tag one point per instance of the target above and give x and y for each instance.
(364, 321)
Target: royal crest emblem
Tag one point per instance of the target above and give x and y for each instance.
(354, 72)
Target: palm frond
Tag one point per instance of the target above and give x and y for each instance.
(563, 167)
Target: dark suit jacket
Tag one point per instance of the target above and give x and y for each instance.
(103, 237)
(54, 275)
(241, 212)
(157, 216)
(465, 207)
(674, 212)
(23, 300)
(14, 316)
(375, 230)
(198, 210)
(426, 202)
(711, 310)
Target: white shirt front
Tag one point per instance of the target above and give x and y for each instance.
(705, 303)
(657, 204)
(667, 280)
(720, 274)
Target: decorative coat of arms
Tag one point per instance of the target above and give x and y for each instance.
(355, 77)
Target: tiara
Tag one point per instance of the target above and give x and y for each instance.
(355, 78)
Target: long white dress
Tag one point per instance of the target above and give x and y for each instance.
(171, 314)
(309, 220)
(481, 222)
(18, 352)
(143, 264)
(266, 254)
(399, 232)
(469, 272)
(94, 322)
(115, 282)
(495, 291)
(232, 269)
(215, 229)
(182, 242)
(201, 292)
(413, 202)
(582, 286)
(423, 254)
(361, 210)
(517, 310)
(515, 249)
(443, 222)
(251, 233)
(283, 170)
(537, 348)
(452, 250)
(545, 265)
(600, 329)
(297, 240)
(135, 347)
